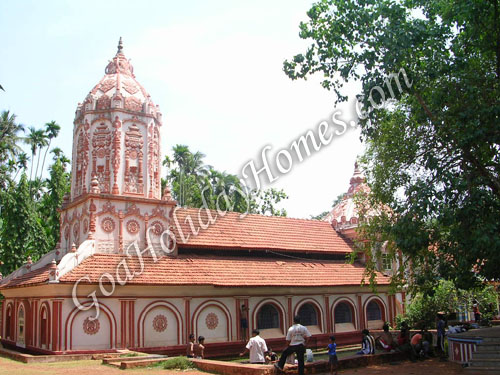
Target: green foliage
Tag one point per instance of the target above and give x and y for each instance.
(11, 156)
(445, 297)
(178, 363)
(195, 184)
(57, 185)
(29, 220)
(432, 158)
(23, 233)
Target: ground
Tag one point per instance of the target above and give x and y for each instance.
(9, 367)
(429, 367)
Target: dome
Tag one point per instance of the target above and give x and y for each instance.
(119, 89)
(345, 214)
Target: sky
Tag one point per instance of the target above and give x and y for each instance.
(213, 67)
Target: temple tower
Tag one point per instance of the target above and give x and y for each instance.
(116, 137)
(115, 178)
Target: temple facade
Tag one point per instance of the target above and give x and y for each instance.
(134, 270)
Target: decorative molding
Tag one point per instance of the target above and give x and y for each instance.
(160, 323)
(108, 225)
(91, 326)
(212, 321)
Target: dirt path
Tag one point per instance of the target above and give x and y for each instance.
(428, 367)
(10, 367)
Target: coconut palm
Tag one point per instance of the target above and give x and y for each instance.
(51, 130)
(22, 163)
(9, 139)
(35, 139)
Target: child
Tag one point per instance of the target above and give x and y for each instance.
(190, 346)
(201, 347)
(271, 356)
(332, 356)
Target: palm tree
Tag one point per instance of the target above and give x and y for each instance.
(31, 140)
(51, 130)
(9, 140)
(22, 163)
(181, 158)
(35, 139)
(58, 155)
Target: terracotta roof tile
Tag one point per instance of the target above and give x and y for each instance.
(225, 271)
(257, 232)
(230, 232)
(38, 276)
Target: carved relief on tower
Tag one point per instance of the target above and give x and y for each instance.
(116, 153)
(130, 87)
(154, 162)
(104, 102)
(133, 104)
(133, 174)
(107, 85)
(82, 161)
(101, 152)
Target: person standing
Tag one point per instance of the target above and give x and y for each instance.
(190, 346)
(332, 356)
(440, 327)
(296, 339)
(201, 347)
(257, 348)
(477, 313)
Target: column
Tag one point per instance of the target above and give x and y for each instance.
(127, 324)
(328, 314)
(289, 313)
(361, 314)
(56, 325)
(131, 325)
(187, 318)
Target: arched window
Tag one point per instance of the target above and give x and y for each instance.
(43, 327)
(20, 320)
(268, 317)
(8, 323)
(308, 315)
(373, 311)
(343, 313)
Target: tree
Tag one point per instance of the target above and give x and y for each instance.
(430, 74)
(36, 139)
(445, 297)
(195, 184)
(22, 233)
(57, 185)
(269, 199)
(51, 131)
(9, 145)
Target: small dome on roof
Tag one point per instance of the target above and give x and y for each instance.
(345, 214)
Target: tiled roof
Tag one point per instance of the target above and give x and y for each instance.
(257, 232)
(37, 276)
(216, 271)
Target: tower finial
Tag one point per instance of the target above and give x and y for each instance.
(120, 46)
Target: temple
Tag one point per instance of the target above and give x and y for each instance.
(134, 270)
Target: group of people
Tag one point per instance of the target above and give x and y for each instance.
(195, 350)
(417, 346)
(297, 337)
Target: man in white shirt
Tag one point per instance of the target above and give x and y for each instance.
(296, 339)
(257, 348)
